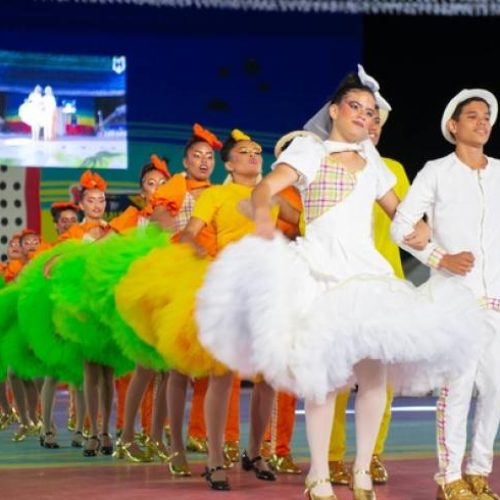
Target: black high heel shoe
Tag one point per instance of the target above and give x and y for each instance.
(248, 464)
(222, 485)
(77, 440)
(90, 452)
(107, 450)
(48, 440)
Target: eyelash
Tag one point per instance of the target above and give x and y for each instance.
(356, 106)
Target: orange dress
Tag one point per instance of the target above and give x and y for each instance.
(176, 196)
(80, 231)
(12, 269)
(131, 218)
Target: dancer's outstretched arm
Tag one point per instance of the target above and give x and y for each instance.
(280, 178)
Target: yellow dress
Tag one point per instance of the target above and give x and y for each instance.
(382, 223)
(158, 295)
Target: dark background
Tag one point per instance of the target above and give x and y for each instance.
(421, 63)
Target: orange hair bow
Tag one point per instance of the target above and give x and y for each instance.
(160, 165)
(27, 232)
(89, 180)
(65, 205)
(207, 136)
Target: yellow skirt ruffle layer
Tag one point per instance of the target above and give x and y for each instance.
(157, 298)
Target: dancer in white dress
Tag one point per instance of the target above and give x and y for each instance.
(49, 109)
(31, 112)
(310, 315)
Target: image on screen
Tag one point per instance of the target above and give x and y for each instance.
(62, 110)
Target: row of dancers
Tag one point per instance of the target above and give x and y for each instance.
(282, 281)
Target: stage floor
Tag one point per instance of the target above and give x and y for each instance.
(28, 471)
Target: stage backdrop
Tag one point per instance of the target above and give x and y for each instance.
(263, 72)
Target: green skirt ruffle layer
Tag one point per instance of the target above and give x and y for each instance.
(72, 315)
(107, 262)
(62, 357)
(16, 352)
(8, 298)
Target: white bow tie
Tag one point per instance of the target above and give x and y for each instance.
(341, 147)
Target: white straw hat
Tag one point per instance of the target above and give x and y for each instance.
(462, 96)
(287, 138)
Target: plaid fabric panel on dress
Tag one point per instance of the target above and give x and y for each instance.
(332, 184)
(182, 218)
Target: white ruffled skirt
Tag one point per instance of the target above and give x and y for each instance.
(262, 310)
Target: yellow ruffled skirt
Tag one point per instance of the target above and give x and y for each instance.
(157, 298)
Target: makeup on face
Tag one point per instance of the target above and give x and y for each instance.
(251, 148)
(14, 249)
(358, 106)
(66, 219)
(353, 116)
(93, 203)
(151, 182)
(30, 243)
(199, 161)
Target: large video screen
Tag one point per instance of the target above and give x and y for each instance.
(62, 110)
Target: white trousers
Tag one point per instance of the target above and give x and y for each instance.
(453, 408)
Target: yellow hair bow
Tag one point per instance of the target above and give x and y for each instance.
(238, 135)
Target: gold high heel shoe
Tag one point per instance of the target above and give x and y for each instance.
(142, 438)
(283, 464)
(123, 451)
(35, 428)
(71, 424)
(360, 493)
(158, 449)
(378, 471)
(21, 433)
(339, 473)
(310, 485)
(178, 469)
(9, 418)
(479, 486)
(232, 451)
(196, 444)
(5, 420)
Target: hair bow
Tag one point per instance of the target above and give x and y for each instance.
(27, 232)
(373, 85)
(89, 180)
(207, 136)
(238, 135)
(65, 205)
(160, 165)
